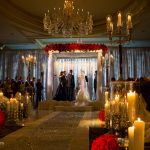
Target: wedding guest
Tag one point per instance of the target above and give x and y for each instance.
(14, 86)
(70, 86)
(61, 90)
(95, 81)
(39, 89)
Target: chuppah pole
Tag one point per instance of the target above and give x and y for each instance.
(99, 76)
(50, 76)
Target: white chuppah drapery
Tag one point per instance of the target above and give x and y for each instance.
(77, 62)
(50, 76)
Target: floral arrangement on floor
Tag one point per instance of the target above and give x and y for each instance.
(75, 46)
(105, 142)
(3, 106)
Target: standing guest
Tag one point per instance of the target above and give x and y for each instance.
(95, 82)
(39, 89)
(14, 86)
(64, 83)
(70, 86)
(61, 90)
(22, 88)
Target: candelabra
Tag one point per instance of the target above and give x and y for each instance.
(120, 34)
(30, 60)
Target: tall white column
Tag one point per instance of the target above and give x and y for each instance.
(50, 76)
(99, 76)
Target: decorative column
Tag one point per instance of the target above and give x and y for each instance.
(99, 76)
(50, 76)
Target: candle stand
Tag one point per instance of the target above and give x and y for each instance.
(121, 107)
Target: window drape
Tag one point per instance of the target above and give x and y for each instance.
(135, 63)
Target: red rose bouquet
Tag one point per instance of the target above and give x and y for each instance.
(105, 142)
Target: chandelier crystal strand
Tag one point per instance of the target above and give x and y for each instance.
(68, 21)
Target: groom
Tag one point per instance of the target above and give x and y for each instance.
(70, 86)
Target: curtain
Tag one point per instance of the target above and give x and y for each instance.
(136, 63)
(88, 65)
(11, 65)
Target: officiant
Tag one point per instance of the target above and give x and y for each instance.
(70, 86)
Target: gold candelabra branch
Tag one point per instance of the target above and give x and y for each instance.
(29, 60)
(120, 29)
(121, 33)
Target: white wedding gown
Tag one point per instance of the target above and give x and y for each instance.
(82, 97)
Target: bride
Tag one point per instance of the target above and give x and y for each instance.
(82, 97)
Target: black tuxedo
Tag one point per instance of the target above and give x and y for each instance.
(70, 87)
(95, 83)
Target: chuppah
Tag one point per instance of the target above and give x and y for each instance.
(58, 61)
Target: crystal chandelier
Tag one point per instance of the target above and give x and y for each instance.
(68, 21)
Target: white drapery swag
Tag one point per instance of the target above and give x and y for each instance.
(88, 65)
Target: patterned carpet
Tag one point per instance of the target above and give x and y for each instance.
(55, 133)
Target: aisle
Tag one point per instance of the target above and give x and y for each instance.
(57, 131)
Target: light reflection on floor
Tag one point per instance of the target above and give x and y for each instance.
(91, 122)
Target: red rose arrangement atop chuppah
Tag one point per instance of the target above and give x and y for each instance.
(75, 46)
(105, 142)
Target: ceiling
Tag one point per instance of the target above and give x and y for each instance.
(21, 24)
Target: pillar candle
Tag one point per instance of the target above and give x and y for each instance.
(108, 19)
(106, 95)
(131, 137)
(129, 22)
(8, 106)
(15, 107)
(113, 106)
(139, 134)
(107, 108)
(117, 104)
(21, 106)
(119, 23)
(19, 97)
(1, 94)
(11, 104)
(27, 99)
(131, 97)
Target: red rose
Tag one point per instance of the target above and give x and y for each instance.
(105, 142)
(74, 46)
(2, 118)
